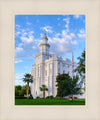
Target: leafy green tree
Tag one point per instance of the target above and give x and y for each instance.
(81, 68)
(68, 86)
(23, 91)
(28, 79)
(75, 86)
(81, 65)
(17, 90)
(43, 88)
(63, 81)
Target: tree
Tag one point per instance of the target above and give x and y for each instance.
(23, 91)
(29, 79)
(75, 86)
(68, 86)
(63, 81)
(17, 90)
(81, 65)
(43, 88)
(81, 68)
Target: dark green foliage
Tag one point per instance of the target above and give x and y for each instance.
(50, 97)
(37, 97)
(67, 85)
(63, 81)
(75, 86)
(31, 97)
(81, 65)
(20, 91)
(17, 90)
(57, 97)
(43, 88)
(20, 97)
(49, 102)
(28, 78)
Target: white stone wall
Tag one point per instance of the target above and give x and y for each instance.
(46, 69)
(46, 73)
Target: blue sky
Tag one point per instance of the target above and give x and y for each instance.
(66, 33)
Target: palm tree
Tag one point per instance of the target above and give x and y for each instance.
(43, 88)
(29, 79)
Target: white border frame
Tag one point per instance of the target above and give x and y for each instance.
(7, 108)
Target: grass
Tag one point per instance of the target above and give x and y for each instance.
(49, 102)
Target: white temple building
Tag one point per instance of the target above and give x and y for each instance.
(46, 68)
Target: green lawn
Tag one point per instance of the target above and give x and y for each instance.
(49, 102)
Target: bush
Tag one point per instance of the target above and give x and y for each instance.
(75, 98)
(37, 97)
(31, 97)
(20, 97)
(50, 97)
(58, 97)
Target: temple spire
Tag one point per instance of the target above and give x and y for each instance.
(44, 32)
(44, 45)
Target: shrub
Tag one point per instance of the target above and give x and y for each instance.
(37, 97)
(20, 97)
(50, 97)
(58, 97)
(75, 97)
(31, 97)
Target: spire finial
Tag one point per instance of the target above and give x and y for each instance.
(44, 32)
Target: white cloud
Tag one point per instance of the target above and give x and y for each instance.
(21, 44)
(24, 49)
(47, 29)
(74, 42)
(62, 42)
(67, 23)
(81, 34)
(68, 36)
(17, 33)
(28, 39)
(31, 32)
(24, 56)
(28, 23)
(36, 48)
(19, 49)
(77, 16)
(19, 79)
(57, 34)
(18, 26)
(17, 61)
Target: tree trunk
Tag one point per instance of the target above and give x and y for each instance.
(72, 98)
(27, 90)
(43, 94)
